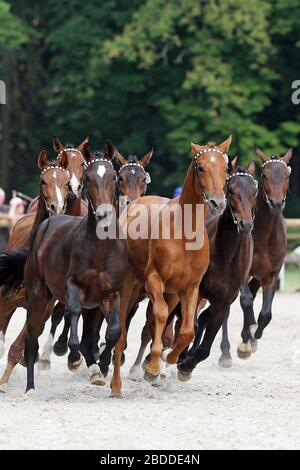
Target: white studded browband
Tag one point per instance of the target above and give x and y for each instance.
(239, 173)
(95, 160)
(212, 149)
(69, 150)
(55, 167)
(274, 160)
(132, 164)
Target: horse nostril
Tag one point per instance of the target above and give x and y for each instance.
(246, 226)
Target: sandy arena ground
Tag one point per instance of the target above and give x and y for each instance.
(255, 404)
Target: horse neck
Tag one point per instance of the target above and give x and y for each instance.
(228, 234)
(40, 215)
(265, 221)
(188, 193)
(73, 206)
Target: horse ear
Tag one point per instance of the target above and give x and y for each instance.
(63, 160)
(251, 168)
(232, 163)
(286, 158)
(87, 151)
(57, 145)
(121, 160)
(264, 158)
(195, 148)
(43, 160)
(80, 146)
(109, 150)
(144, 161)
(224, 146)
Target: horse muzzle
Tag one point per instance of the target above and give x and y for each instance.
(276, 206)
(216, 205)
(245, 227)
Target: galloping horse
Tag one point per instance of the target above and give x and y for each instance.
(54, 181)
(219, 286)
(231, 256)
(166, 267)
(89, 271)
(132, 183)
(269, 235)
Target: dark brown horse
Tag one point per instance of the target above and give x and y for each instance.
(68, 261)
(269, 235)
(231, 256)
(165, 266)
(132, 183)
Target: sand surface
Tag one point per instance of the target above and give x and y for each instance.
(255, 404)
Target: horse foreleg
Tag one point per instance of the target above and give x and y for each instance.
(73, 310)
(60, 347)
(90, 323)
(217, 316)
(15, 355)
(112, 335)
(247, 296)
(201, 326)
(265, 315)
(135, 371)
(225, 360)
(187, 329)
(125, 293)
(8, 307)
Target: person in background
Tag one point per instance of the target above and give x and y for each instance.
(4, 221)
(177, 191)
(16, 210)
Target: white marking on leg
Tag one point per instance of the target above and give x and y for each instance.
(101, 170)
(93, 370)
(48, 348)
(135, 373)
(60, 200)
(2, 342)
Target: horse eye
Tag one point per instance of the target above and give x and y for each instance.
(230, 191)
(120, 178)
(200, 169)
(43, 182)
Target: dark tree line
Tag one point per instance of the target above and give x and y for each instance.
(148, 73)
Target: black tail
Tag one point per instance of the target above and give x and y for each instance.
(12, 265)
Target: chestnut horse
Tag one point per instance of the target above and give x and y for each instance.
(231, 247)
(84, 272)
(132, 183)
(269, 235)
(169, 268)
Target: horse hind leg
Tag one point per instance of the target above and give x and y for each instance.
(73, 309)
(44, 361)
(112, 336)
(265, 315)
(90, 323)
(60, 347)
(15, 355)
(225, 359)
(247, 295)
(135, 371)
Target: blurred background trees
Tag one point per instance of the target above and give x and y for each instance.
(148, 73)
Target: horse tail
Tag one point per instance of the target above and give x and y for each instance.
(12, 265)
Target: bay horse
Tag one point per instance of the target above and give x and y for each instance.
(231, 247)
(270, 242)
(166, 267)
(132, 183)
(89, 271)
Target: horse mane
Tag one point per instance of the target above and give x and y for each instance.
(133, 159)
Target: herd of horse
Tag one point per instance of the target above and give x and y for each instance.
(57, 266)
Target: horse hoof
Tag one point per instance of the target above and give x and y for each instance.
(60, 349)
(135, 374)
(160, 381)
(165, 353)
(149, 377)
(98, 379)
(258, 334)
(115, 395)
(253, 343)
(44, 364)
(183, 376)
(3, 388)
(225, 361)
(75, 366)
(244, 350)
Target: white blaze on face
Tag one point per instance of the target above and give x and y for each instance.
(74, 182)
(101, 170)
(60, 199)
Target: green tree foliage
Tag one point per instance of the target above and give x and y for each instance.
(154, 73)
